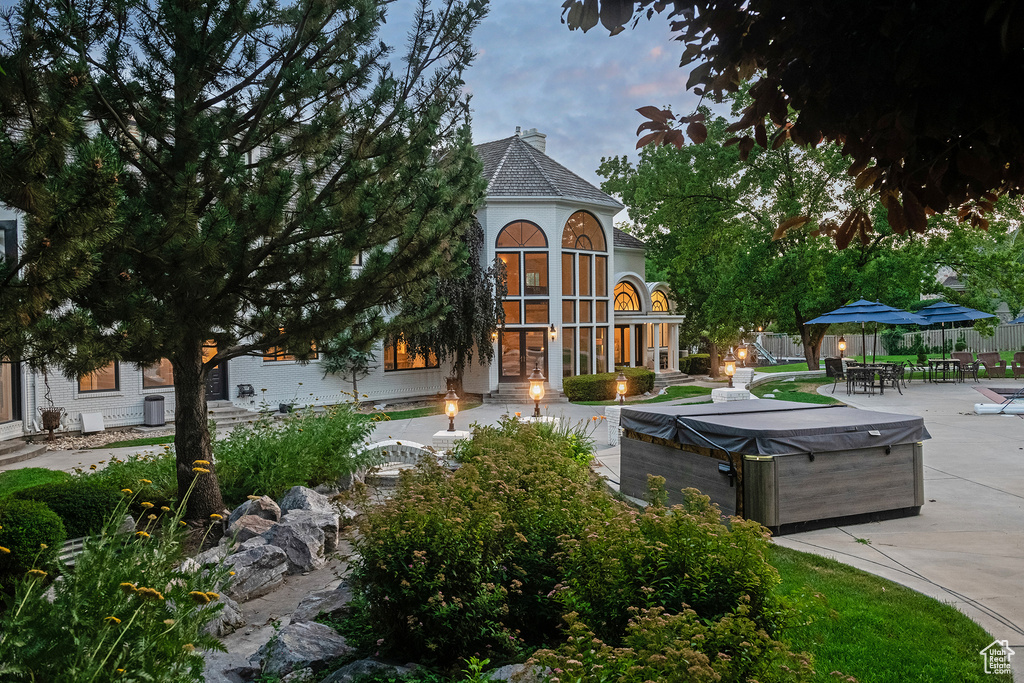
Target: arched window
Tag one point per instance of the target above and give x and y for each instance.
(582, 231)
(626, 298)
(659, 302)
(522, 235)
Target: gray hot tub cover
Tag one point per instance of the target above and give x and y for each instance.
(775, 428)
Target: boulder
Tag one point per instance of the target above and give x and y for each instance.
(264, 507)
(300, 676)
(327, 522)
(207, 557)
(322, 602)
(298, 646)
(259, 569)
(249, 526)
(127, 525)
(227, 620)
(302, 498)
(363, 668)
(302, 543)
(519, 673)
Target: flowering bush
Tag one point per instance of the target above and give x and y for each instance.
(307, 448)
(155, 468)
(126, 613)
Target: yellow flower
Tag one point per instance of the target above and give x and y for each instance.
(112, 620)
(92, 467)
(200, 470)
(36, 572)
(4, 551)
(120, 671)
(126, 490)
(216, 516)
(253, 497)
(151, 593)
(128, 588)
(143, 534)
(214, 597)
(169, 622)
(151, 516)
(231, 573)
(188, 647)
(145, 481)
(200, 462)
(43, 546)
(165, 508)
(147, 505)
(200, 597)
(182, 522)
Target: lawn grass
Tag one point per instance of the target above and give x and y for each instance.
(671, 394)
(876, 630)
(12, 481)
(800, 390)
(421, 412)
(144, 441)
(802, 367)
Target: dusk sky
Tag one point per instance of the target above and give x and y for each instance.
(582, 90)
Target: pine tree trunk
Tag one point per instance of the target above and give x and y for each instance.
(192, 435)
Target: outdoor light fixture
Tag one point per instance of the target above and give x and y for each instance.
(842, 345)
(536, 389)
(494, 336)
(741, 354)
(554, 332)
(760, 329)
(451, 408)
(620, 387)
(730, 366)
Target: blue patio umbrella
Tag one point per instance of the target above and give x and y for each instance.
(1017, 321)
(945, 312)
(865, 311)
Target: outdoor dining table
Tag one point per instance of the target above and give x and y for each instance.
(947, 368)
(865, 376)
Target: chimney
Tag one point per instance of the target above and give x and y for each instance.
(519, 131)
(535, 139)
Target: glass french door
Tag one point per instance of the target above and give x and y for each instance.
(521, 352)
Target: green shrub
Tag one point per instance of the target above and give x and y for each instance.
(668, 557)
(127, 612)
(307, 448)
(602, 387)
(152, 474)
(13, 481)
(84, 504)
(695, 364)
(458, 563)
(26, 526)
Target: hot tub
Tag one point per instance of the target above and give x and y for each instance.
(789, 466)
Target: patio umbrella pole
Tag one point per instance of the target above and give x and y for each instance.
(864, 342)
(874, 345)
(943, 324)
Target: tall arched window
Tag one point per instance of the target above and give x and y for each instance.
(585, 298)
(523, 249)
(626, 298)
(659, 302)
(522, 235)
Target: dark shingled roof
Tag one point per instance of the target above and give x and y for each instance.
(514, 168)
(627, 241)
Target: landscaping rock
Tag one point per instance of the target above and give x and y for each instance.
(365, 667)
(327, 522)
(207, 557)
(519, 673)
(299, 676)
(264, 507)
(302, 498)
(322, 602)
(227, 620)
(127, 526)
(258, 569)
(301, 541)
(249, 526)
(298, 646)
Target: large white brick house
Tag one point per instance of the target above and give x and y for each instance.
(577, 304)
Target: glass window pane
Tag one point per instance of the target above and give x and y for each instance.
(601, 311)
(600, 349)
(568, 274)
(511, 262)
(585, 351)
(511, 362)
(582, 231)
(663, 334)
(536, 350)
(626, 297)
(568, 312)
(104, 379)
(568, 351)
(521, 234)
(398, 356)
(585, 312)
(585, 289)
(536, 312)
(511, 312)
(535, 274)
(659, 302)
(622, 335)
(389, 356)
(159, 375)
(7, 394)
(601, 275)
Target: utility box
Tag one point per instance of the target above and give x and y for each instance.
(153, 411)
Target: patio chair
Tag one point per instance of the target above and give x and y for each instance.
(891, 375)
(834, 369)
(968, 366)
(993, 364)
(1018, 365)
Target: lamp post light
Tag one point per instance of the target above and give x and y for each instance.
(451, 408)
(730, 366)
(620, 387)
(741, 354)
(536, 389)
(842, 345)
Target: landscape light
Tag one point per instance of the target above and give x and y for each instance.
(536, 389)
(741, 353)
(842, 345)
(451, 408)
(730, 366)
(620, 387)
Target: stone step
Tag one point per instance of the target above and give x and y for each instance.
(523, 397)
(10, 446)
(671, 379)
(26, 451)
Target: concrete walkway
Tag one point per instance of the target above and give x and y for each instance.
(967, 545)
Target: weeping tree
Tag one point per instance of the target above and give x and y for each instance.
(285, 181)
